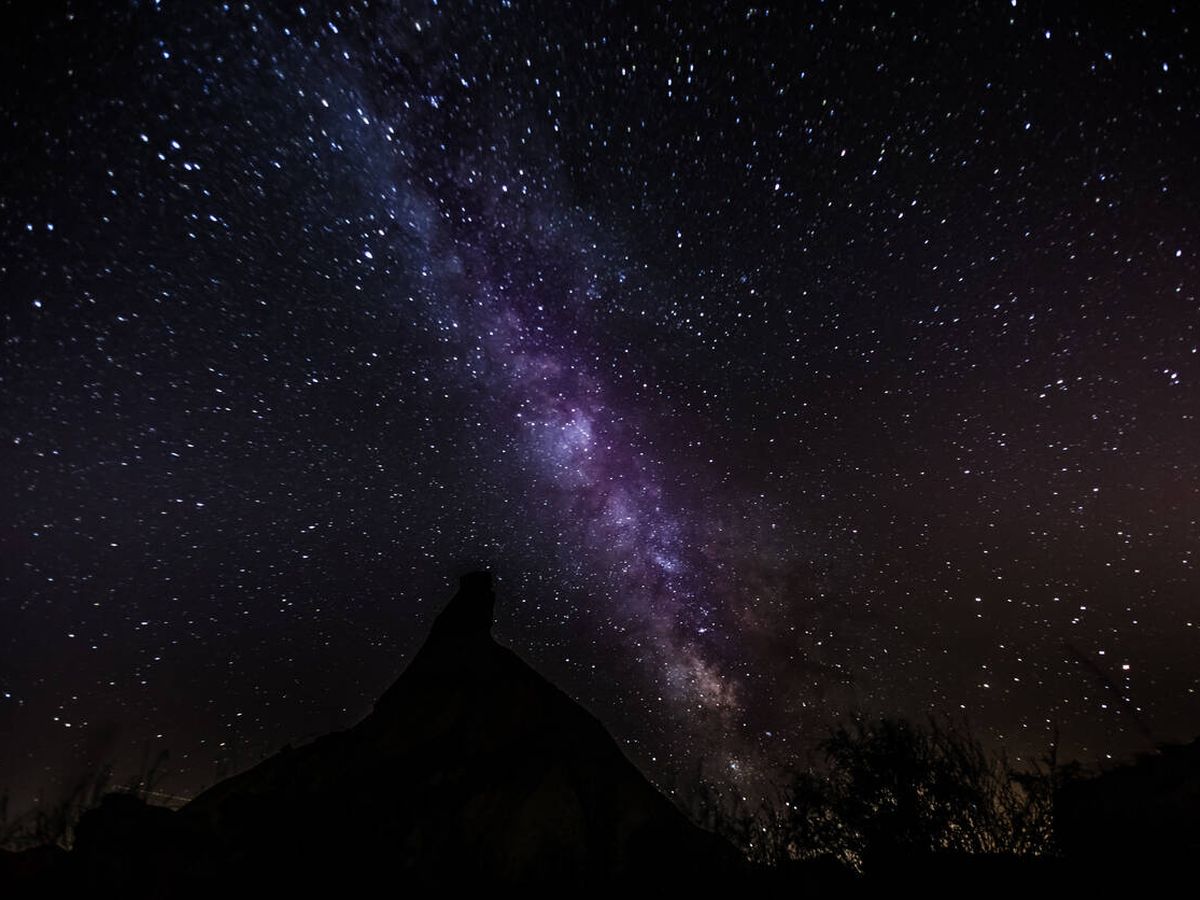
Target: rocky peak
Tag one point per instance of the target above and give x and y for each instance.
(469, 612)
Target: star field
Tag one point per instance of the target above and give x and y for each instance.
(782, 363)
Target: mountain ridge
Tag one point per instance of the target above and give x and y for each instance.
(471, 768)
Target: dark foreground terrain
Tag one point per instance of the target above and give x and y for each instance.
(473, 770)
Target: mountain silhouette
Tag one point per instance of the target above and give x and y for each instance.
(472, 769)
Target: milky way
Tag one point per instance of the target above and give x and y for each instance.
(513, 279)
(783, 363)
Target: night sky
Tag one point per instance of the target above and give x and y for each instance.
(781, 363)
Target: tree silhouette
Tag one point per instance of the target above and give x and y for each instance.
(893, 791)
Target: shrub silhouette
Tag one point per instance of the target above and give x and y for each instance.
(52, 823)
(892, 792)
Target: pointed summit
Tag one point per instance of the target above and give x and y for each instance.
(469, 612)
(472, 769)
